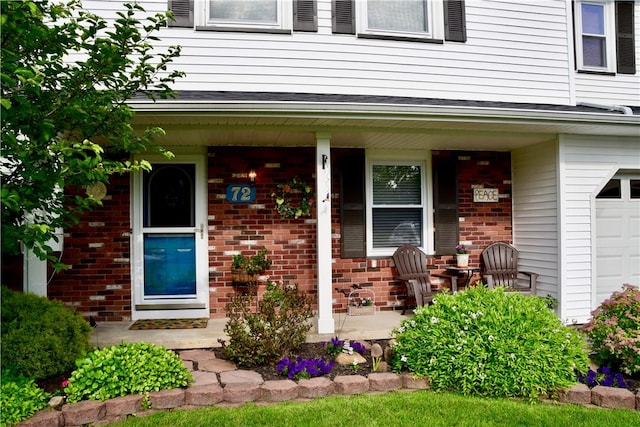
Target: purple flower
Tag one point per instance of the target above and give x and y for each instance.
(620, 381)
(356, 346)
(304, 368)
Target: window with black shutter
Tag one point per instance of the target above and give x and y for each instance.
(604, 36)
(455, 27)
(182, 13)
(343, 16)
(445, 202)
(305, 15)
(625, 44)
(352, 205)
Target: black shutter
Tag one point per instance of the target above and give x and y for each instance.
(305, 15)
(352, 206)
(455, 27)
(182, 12)
(445, 201)
(625, 48)
(343, 16)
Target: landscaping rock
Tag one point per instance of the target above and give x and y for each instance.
(239, 377)
(204, 378)
(242, 392)
(197, 355)
(351, 384)
(279, 390)
(56, 402)
(167, 399)
(611, 397)
(85, 412)
(345, 359)
(384, 382)
(203, 395)
(412, 383)
(124, 405)
(313, 388)
(46, 418)
(216, 365)
(579, 394)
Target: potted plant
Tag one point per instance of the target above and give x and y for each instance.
(361, 303)
(246, 269)
(462, 256)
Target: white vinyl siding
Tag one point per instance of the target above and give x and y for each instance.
(584, 168)
(515, 52)
(535, 213)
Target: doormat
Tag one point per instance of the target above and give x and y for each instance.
(169, 324)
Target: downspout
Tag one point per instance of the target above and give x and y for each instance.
(609, 107)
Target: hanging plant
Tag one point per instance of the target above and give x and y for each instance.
(285, 195)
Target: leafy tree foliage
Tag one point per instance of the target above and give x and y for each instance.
(66, 77)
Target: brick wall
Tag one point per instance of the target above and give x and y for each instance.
(98, 251)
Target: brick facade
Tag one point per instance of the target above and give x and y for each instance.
(98, 248)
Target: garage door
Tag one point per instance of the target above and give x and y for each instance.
(617, 235)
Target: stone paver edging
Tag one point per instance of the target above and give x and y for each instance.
(229, 386)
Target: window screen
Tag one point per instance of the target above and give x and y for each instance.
(397, 206)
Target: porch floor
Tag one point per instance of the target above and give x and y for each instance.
(377, 326)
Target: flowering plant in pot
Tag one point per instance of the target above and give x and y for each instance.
(246, 269)
(461, 249)
(462, 255)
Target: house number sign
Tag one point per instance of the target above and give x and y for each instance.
(484, 195)
(241, 193)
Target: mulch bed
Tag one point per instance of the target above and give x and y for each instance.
(313, 351)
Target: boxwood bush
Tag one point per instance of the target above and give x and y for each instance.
(40, 337)
(490, 343)
(124, 369)
(614, 331)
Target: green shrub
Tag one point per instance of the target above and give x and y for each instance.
(614, 331)
(490, 343)
(125, 369)
(40, 338)
(278, 326)
(21, 398)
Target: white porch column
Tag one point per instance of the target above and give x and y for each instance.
(326, 324)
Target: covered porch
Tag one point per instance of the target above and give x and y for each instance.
(374, 327)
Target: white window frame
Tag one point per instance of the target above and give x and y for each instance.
(609, 35)
(435, 22)
(420, 158)
(284, 18)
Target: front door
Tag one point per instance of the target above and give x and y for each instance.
(169, 234)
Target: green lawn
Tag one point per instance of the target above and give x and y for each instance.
(419, 408)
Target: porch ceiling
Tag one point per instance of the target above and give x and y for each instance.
(372, 125)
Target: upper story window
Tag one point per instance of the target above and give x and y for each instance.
(596, 41)
(409, 17)
(604, 36)
(415, 20)
(249, 13)
(277, 16)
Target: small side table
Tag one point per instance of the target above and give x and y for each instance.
(467, 271)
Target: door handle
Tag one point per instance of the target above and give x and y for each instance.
(201, 231)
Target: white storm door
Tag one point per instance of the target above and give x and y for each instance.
(170, 271)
